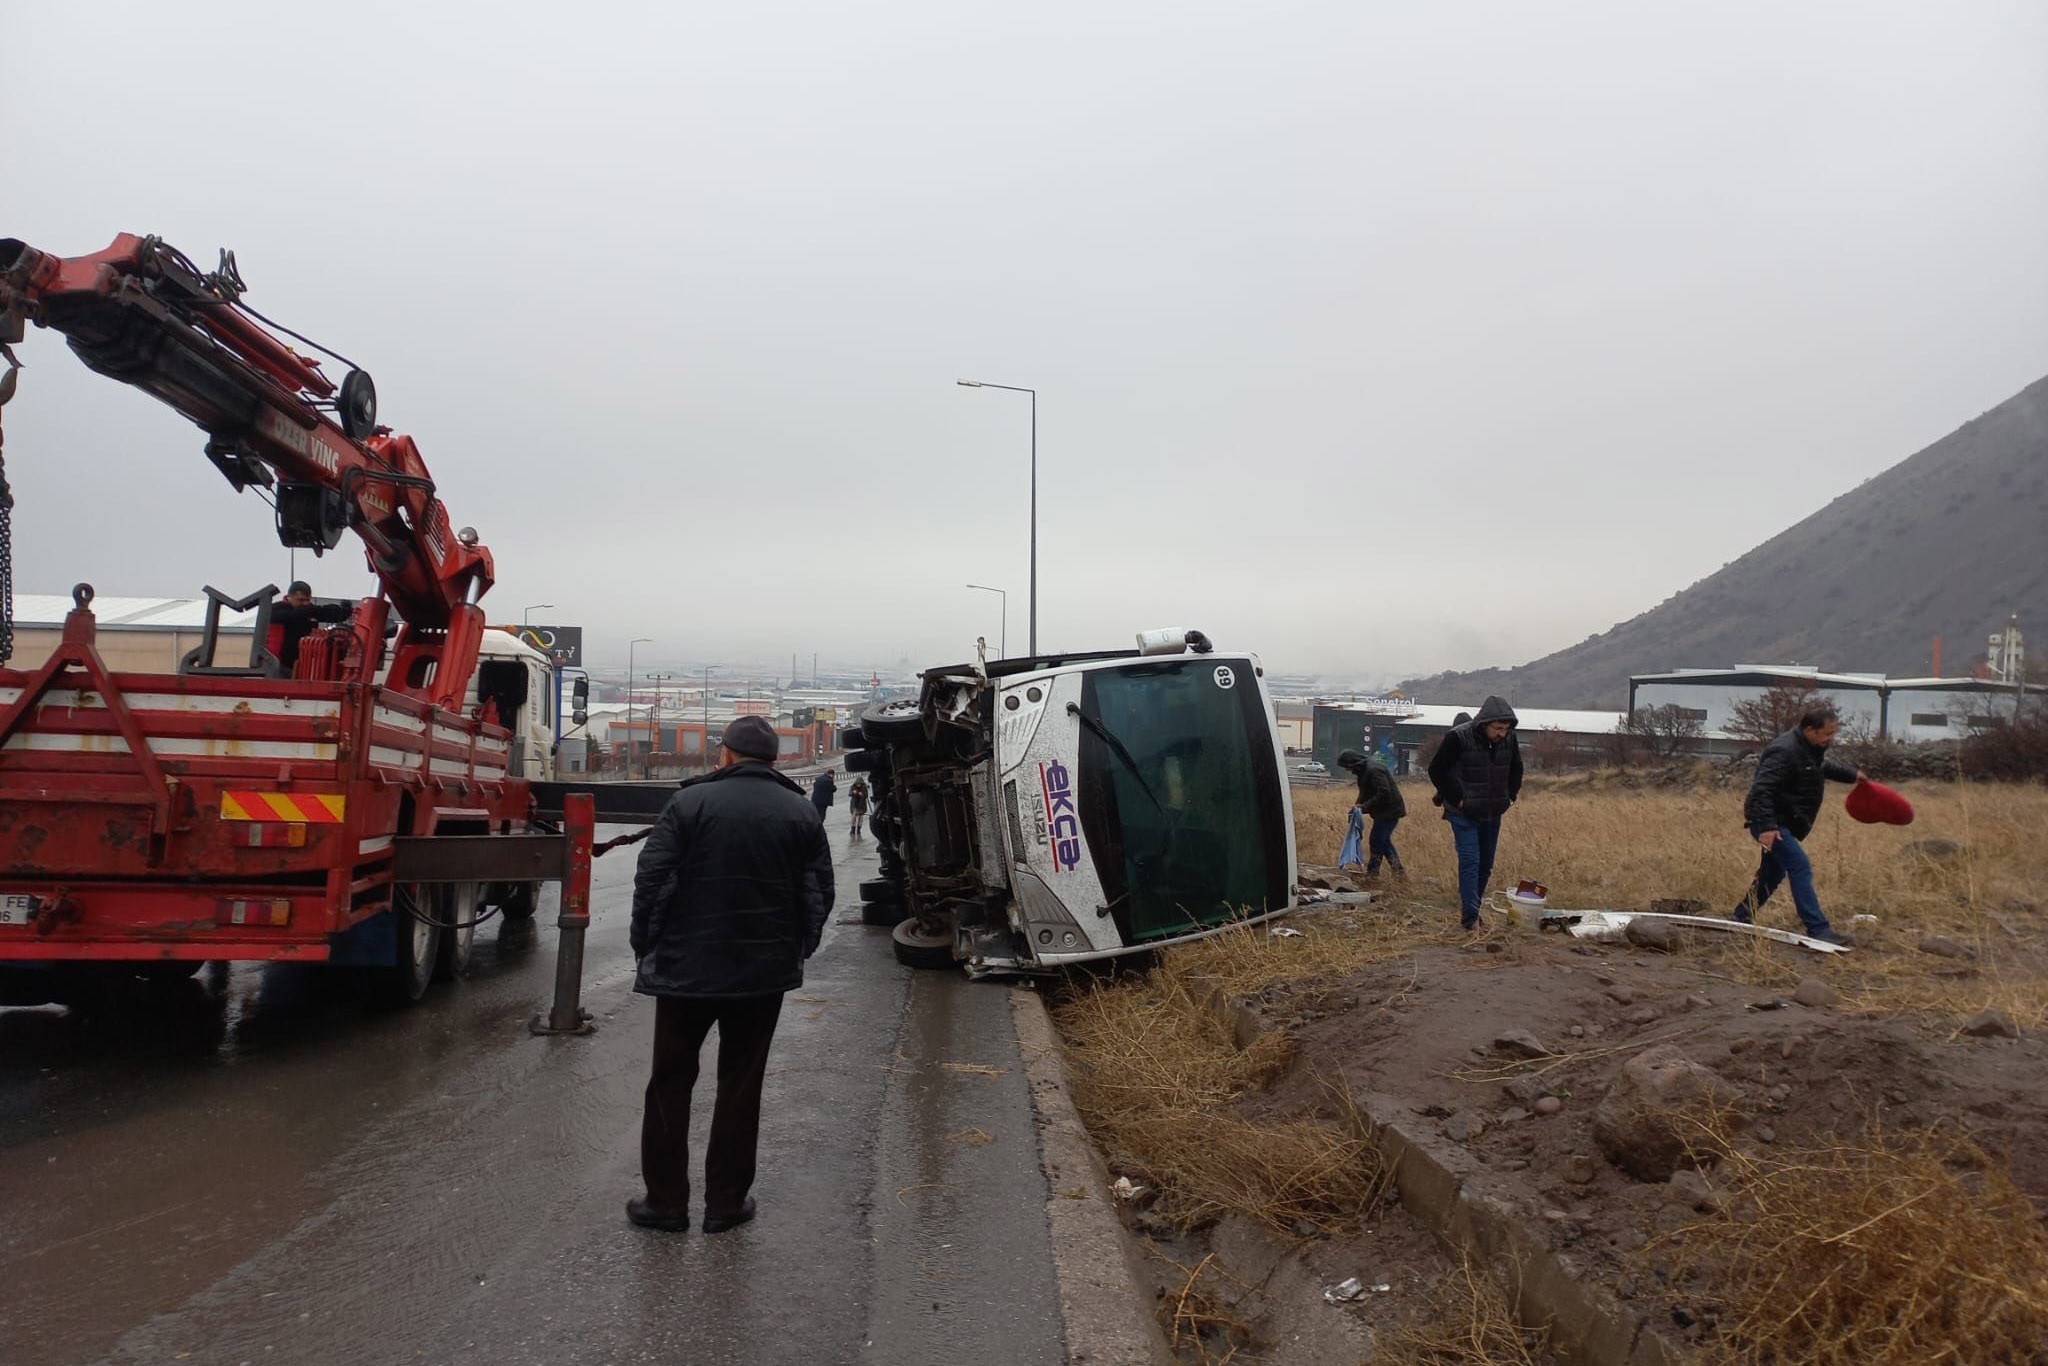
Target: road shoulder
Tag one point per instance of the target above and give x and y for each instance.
(1102, 1298)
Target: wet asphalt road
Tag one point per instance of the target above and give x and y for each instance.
(259, 1169)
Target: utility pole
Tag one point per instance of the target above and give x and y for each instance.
(654, 719)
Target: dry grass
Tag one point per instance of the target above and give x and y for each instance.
(1156, 1076)
(1200, 1321)
(1599, 844)
(1897, 1250)
(1469, 1323)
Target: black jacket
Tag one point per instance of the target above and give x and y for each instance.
(1473, 776)
(733, 887)
(1791, 779)
(1378, 793)
(294, 624)
(823, 787)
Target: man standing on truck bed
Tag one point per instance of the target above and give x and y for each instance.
(292, 619)
(729, 899)
(1478, 774)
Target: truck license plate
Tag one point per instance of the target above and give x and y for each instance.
(16, 910)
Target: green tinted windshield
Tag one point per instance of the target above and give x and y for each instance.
(1190, 832)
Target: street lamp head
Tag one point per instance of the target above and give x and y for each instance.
(968, 383)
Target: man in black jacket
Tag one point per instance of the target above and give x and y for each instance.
(730, 897)
(1379, 797)
(1478, 774)
(1784, 800)
(294, 618)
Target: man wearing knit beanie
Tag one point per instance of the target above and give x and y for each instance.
(731, 895)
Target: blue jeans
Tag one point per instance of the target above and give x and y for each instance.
(1476, 841)
(1380, 843)
(1785, 859)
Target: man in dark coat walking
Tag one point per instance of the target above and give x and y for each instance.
(1379, 797)
(823, 788)
(1784, 800)
(730, 897)
(1478, 774)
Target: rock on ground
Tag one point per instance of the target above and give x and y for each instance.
(1641, 1123)
(1651, 934)
(1519, 1043)
(1816, 994)
(1941, 946)
(1991, 1023)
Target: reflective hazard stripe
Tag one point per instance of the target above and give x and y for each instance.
(311, 808)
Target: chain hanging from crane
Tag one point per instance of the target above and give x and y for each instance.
(6, 516)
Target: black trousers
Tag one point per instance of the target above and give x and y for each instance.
(746, 1027)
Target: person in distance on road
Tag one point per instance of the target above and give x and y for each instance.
(857, 803)
(1784, 799)
(823, 788)
(298, 614)
(1379, 797)
(1478, 774)
(729, 899)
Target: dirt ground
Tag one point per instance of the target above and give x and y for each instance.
(1389, 998)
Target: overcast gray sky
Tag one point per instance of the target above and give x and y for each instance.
(1373, 337)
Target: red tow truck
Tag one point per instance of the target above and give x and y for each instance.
(356, 809)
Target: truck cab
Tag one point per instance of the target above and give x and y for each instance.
(518, 683)
(1038, 813)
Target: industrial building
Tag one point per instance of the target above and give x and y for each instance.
(1398, 729)
(135, 635)
(1899, 709)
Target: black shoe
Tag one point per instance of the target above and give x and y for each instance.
(1742, 917)
(719, 1223)
(647, 1216)
(1831, 937)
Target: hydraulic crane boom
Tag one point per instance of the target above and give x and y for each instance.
(143, 313)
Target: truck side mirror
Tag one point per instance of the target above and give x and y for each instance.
(579, 696)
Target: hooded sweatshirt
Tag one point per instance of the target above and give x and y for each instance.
(1476, 777)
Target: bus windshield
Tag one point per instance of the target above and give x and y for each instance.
(1187, 822)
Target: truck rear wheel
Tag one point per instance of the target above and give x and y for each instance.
(882, 891)
(880, 915)
(519, 901)
(867, 761)
(418, 946)
(916, 949)
(457, 908)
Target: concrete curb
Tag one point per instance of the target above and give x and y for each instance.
(1443, 1187)
(1102, 1295)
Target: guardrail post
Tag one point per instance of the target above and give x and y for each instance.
(568, 1016)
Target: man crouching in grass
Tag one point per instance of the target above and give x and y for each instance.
(1784, 799)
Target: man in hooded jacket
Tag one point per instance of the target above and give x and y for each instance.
(730, 897)
(1477, 772)
(1379, 798)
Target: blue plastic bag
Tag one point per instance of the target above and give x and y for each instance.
(1352, 853)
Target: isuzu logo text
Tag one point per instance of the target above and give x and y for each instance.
(1058, 786)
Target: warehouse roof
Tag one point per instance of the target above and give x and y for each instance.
(158, 614)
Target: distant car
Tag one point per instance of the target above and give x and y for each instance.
(1314, 769)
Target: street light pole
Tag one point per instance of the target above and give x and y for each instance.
(637, 640)
(526, 616)
(706, 695)
(1003, 648)
(1020, 389)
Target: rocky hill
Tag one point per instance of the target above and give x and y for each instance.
(1949, 542)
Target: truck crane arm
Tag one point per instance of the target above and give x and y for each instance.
(141, 312)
